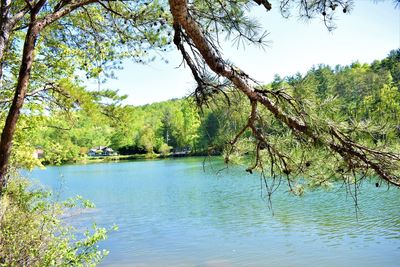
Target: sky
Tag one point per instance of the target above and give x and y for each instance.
(369, 32)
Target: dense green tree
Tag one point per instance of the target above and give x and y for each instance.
(61, 37)
(391, 63)
(191, 124)
(57, 38)
(210, 129)
(146, 139)
(169, 128)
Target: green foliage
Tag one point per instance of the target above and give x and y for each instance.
(358, 102)
(360, 98)
(147, 139)
(164, 149)
(33, 234)
(92, 41)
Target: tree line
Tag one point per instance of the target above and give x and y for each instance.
(366, 93)
(45, 44)
(286, 130)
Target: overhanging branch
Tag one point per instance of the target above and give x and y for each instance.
(381, 163)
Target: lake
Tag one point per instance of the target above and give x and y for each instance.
(173, 213)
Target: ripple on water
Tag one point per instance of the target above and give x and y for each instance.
(171, 213)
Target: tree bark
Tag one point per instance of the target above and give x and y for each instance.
(4, 37)
(7, 23)
(18, 101)
(33, 31)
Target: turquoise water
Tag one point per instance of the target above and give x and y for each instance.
(172, 213)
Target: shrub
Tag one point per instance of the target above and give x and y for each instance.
(164, 149)
(33, 234)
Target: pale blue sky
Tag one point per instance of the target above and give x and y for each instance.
(368, 33)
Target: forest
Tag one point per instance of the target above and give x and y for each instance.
(368, 93)
(333, 123)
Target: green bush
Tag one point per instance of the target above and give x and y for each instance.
(164, 149)
(33, 234)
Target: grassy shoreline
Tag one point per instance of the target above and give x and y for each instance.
(116, 158)
(99, 159)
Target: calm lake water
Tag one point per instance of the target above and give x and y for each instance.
(172, 213)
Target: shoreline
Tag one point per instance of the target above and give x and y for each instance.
(132, 157)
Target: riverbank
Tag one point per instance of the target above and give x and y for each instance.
(99, 159)
(116, 158)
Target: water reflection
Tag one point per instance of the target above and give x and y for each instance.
(171, 213)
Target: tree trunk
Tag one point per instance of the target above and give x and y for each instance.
(34, 28)
(7, 24)
(4, 38)
(3, 43)
(15, 109)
